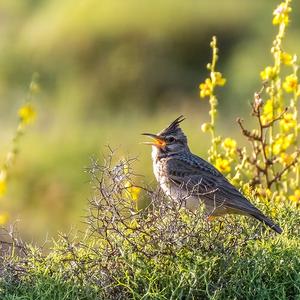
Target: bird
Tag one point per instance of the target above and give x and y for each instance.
(184, 176)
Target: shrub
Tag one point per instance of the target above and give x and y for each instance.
(166, 251)
(162, 252)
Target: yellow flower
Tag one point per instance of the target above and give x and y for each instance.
(4, 218)
(281, 14)
(267, 114)
(229, 144)
(268, 107)
(291, 83)
(217, 78)
(277, 147)
(296, 197)
(288, 122)
(3, 187)
(27, 114)
(264, 192)
(268, 73)
(286, 159)
(132, 192)
(223, 165)
(3, 183)
(205, 88)
(286, 58)
(282, 143)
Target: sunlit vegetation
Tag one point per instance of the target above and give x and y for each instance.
(135, 243)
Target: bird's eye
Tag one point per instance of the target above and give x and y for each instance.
(171, 139)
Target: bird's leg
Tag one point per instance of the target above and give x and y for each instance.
(210, 218)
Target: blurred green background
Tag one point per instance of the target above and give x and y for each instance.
(110, 70)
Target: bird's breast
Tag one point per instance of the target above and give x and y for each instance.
(158, 169)
(171, 189)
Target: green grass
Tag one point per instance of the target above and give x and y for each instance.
(260, 270)
(47, 288)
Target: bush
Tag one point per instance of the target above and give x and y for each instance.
(165, 251)
(162, 252)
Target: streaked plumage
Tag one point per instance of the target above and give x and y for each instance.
(183, 175)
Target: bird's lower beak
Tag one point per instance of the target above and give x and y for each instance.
(158, 141)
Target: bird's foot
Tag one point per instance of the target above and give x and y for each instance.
(210, 218)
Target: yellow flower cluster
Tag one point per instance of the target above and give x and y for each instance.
(288, 122)
(264, 193)
(267, 113)
(286, 58)
(268, 73)
(282, 142)
(229, 144)
(295, 197)
(4, 216)
(3, 187)
(281, 14)
(207, 87)
(290, 83)
(223, 165)
(132, 192)
(271, 111)
(286, 159)
(27, 114)
(276, 153)
(3, 182)
(217, 78)
(272, 160)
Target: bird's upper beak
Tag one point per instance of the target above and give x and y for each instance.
(158, 140)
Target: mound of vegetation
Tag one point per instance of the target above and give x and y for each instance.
(161, 252)
(165, 251)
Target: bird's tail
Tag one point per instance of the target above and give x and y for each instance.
(268, 222)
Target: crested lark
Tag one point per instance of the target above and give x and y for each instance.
(185, 176)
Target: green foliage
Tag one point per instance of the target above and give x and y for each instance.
(166, 251)
(162, 252)
(46, 288)
(259, 269)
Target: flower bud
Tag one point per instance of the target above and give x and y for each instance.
(206, 127)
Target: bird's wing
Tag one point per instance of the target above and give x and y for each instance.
(201, 179)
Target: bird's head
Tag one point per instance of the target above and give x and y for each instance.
(169, 140)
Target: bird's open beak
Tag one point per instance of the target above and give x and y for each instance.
(158, 141)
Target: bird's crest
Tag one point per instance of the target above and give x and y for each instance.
(174, 128)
